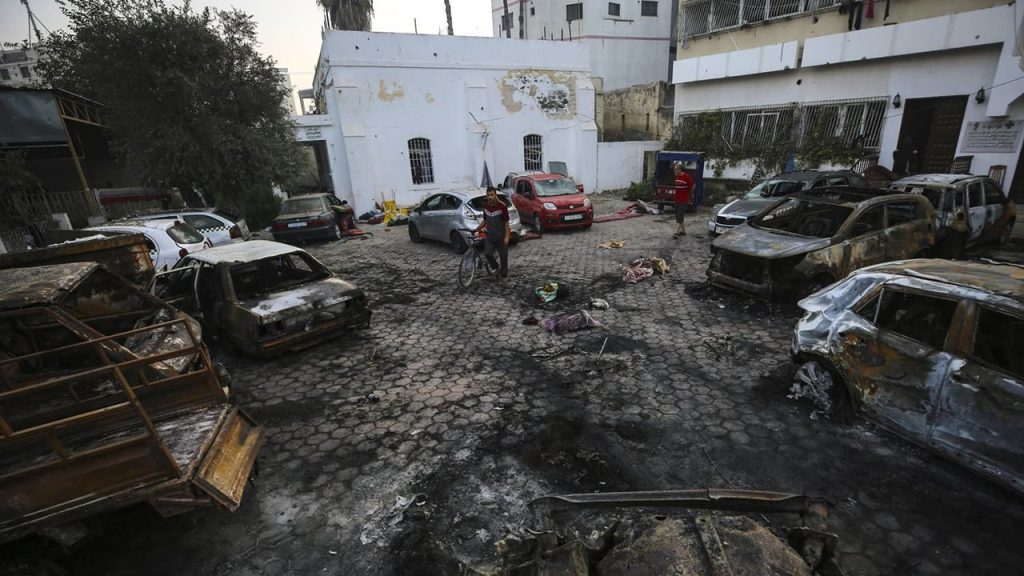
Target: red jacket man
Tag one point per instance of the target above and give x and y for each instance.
(684, 189)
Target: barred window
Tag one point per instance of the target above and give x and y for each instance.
(533, 156)
(574, 12)
(708, 16)
(420, 161)
(648, 8)
(613, 9)
(506, 22)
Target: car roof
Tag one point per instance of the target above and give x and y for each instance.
(845, 195)
(933, 179)
(543, 176)
(129, 224)
(250, 251)
(1000, 278)
(298, 196)
(184, 212)
(808, 175)
(21, 287)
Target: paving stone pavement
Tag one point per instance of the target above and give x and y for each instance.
(451, 399)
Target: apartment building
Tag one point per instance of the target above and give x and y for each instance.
(18, 67)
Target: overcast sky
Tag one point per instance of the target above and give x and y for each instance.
(289, 30)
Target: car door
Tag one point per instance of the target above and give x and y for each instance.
(521, 197)
(976, 212)
(994, 202)
(445, 215)
(177, 287)
(908, 229)
(427, 220)
(897, 359)
(865, 242)
(981, 409)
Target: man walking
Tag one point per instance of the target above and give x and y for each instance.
(498, 230)
(684, 188)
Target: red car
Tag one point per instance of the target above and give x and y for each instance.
(549, 201)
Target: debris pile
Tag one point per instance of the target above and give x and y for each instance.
(644, 267)
(569, 322)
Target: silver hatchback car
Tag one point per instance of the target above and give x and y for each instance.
(445, 216)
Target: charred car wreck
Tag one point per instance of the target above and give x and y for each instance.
(932, 350)
(263, 297)
(811, 239)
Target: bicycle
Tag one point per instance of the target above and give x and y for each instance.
(473, 260)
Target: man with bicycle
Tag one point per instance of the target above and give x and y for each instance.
(498, 230)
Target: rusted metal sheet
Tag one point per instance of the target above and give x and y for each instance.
(225, 469)
(124, 254)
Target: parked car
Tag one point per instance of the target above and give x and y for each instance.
(168, 240)
(809, 240)
(968, 209)
(218, 226)
(308, 217)
(444, 216)
(932, 350)
(263, 297)
(725, 217)
(550, 201)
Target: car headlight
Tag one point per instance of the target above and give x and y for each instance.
(587, 203)
(550, 206)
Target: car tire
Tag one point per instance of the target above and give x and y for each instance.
(1007, 233)
(458, 242)
(513, 239)
(335, 232)
(834, 399)
(414, 233)
(538, 225)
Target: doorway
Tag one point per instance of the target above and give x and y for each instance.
(929, 134)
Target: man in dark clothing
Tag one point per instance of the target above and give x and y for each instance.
(498, 230)
(684, 188)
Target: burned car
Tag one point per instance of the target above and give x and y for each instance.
(969, 209)
(811, 239)
(264, 297)
(932, 350)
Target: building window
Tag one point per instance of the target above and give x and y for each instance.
(420, 161)
(533, 156)
(648, 8)
(506, 22)
(25, 72)
(574, 11)
(4, 74)
(532, 12)
(613, 9)
(708, 16)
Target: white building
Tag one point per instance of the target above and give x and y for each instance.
(407, 115)
(286, 82)
(18, 67)
(935, 82)
(629, 41)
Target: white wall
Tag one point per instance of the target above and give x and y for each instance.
(473, 98)
(619, 164)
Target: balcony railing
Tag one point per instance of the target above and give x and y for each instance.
(702, 17)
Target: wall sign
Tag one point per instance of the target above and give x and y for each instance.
(992, 136)
(310, 133)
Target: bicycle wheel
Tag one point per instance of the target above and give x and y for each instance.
(467, 267)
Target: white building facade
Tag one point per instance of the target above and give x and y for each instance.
(404, 116)
(629, 41)
(18, 67)
(935, 84)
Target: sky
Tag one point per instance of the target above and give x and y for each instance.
(289, 30)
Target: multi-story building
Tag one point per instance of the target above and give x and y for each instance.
(18, 67)
(630, 42)
(922, 85)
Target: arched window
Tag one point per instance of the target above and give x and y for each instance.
(533, 157)
(420, 161)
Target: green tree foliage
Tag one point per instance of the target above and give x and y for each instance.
(16, 181)
(190, 102)
(347, 14)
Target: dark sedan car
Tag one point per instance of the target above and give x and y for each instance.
(304, 218)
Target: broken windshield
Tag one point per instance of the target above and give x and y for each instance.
(804, 218)
(252, 279)
(555, 187)
(773, 189)
(300, 205)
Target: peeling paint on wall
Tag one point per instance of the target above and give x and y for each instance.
(395, 93)
(553, 93)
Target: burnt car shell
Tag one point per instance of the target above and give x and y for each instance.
(932, 350)
(837, 230)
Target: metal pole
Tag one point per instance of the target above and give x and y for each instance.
(93, 205)
(505, 18)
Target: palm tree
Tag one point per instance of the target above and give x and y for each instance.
(448, 12)
(347, 14)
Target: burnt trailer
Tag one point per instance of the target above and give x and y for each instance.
(108, 398)
(125, 254)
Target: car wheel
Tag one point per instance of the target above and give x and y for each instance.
(538, 226)
(822, 385)
(335, 232)
(414, 233)
(458, 242)
(1004, 238)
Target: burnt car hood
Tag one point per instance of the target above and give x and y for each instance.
(766, 244)
(747, 208)
(300, 300)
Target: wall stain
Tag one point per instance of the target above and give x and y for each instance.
(553, 93)
(430, 98)
(396, 92)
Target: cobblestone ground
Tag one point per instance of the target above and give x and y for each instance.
(409, 448)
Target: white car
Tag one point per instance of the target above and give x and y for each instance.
(218, 226)
(168, 240)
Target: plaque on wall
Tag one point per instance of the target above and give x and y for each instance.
(992, 136)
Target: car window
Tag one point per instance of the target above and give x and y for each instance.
(869, 308)
(872, 220)
(805, 218)
(251, 279)
(184, 234)
(202, 222)
(975, 194)
(921, 318)
(432, 203)
(857, 181)
(999, 341)
(555, 187)
(940, 198)
(523, 188)
(230, 216)
(333, 200)
(449, 202)
(901, 212)
(300, 205)
(993, 195)
(820, 183)
(509, 180)
(837, 181)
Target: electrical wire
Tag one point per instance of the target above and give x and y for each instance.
(947, 98)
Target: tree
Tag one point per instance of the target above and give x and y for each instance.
(347, 14)
(448, 13)
(190, 102)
